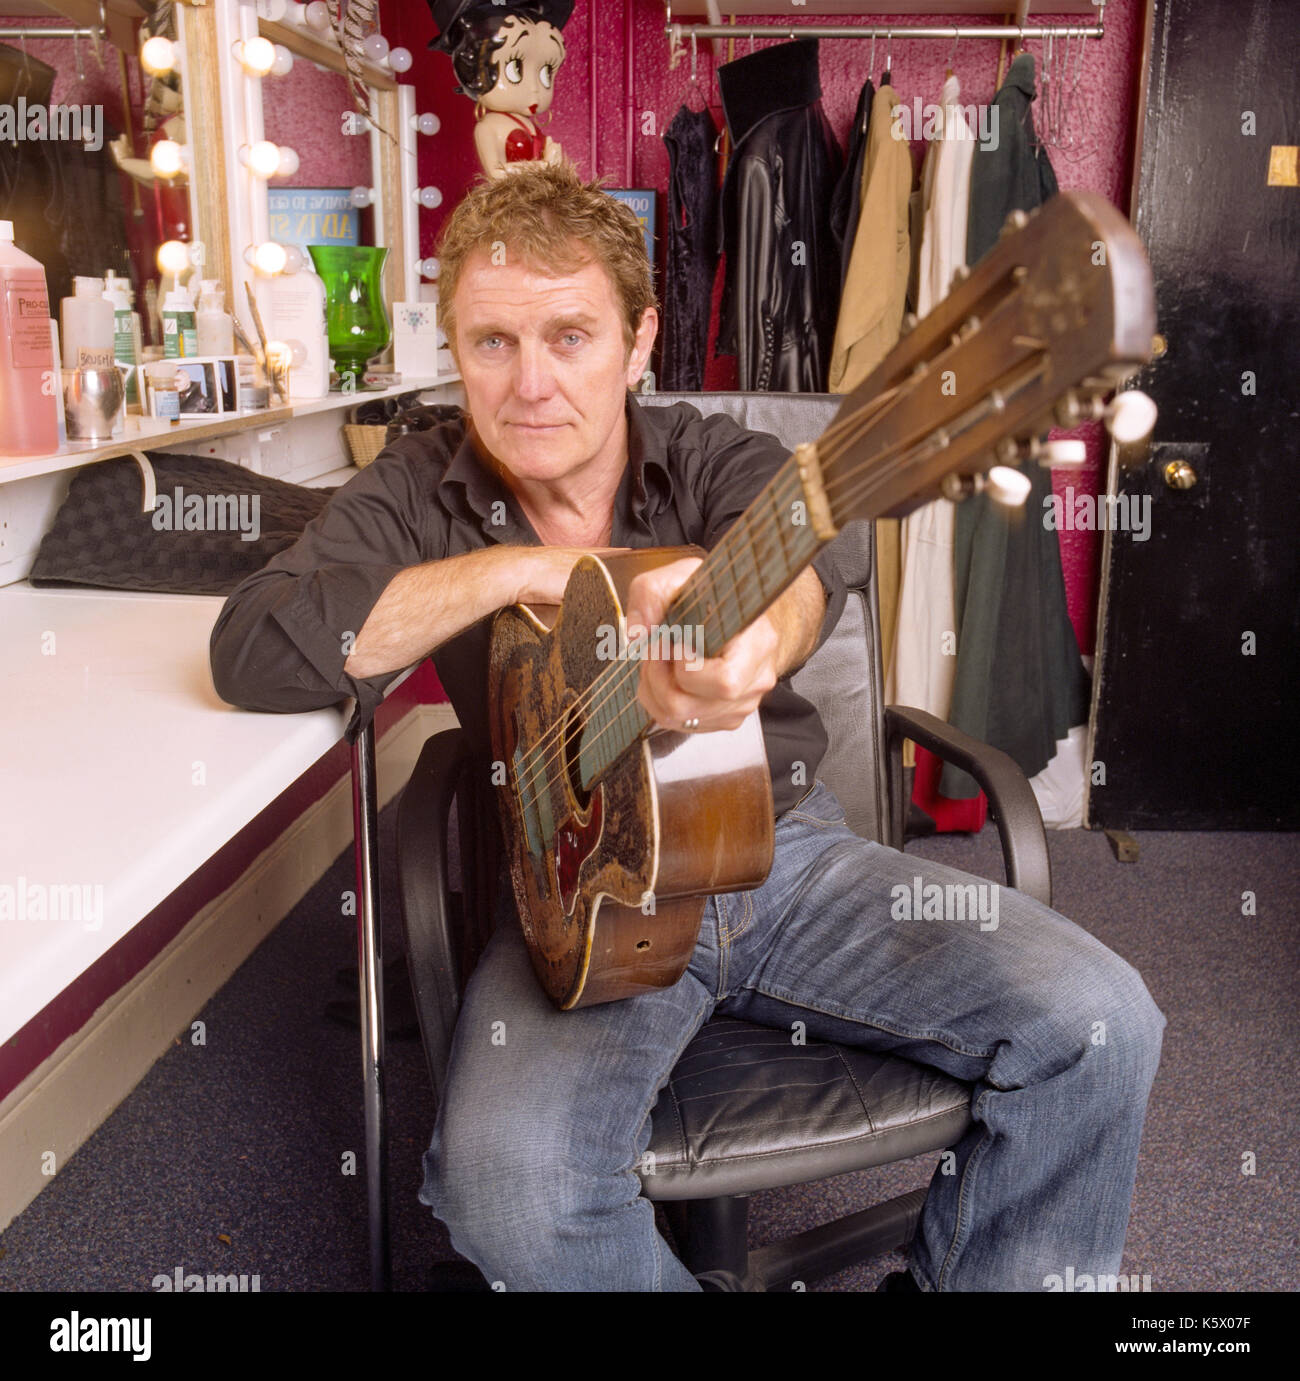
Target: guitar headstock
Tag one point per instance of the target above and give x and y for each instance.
(1050, 321)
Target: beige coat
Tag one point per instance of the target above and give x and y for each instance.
(875, 288)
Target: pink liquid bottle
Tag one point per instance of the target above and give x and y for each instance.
(29, 416)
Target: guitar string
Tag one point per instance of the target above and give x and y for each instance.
(614, 678)
(919, 451)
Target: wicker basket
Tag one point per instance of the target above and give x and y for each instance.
(365, 441)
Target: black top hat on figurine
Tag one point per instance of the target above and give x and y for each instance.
(505, 57)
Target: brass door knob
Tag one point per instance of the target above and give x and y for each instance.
(1180, 475)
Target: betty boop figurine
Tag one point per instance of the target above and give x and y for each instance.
(506, 57)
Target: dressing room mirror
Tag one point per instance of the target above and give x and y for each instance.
(79, 119)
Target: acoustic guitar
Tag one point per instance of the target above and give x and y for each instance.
(618, 830)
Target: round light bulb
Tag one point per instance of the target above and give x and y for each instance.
(430, 267)
(283, 63)
(167, 158)
(362, 196)
(262, 158)
(278, 354)
(429, 197)
(289, 162)
(274, 10)
(173, 256)
(256, 55)
(399, 59)
(375, 47)
(293, 259)
(428, 123)
(269, 258)
(318, 15)
(158, 55)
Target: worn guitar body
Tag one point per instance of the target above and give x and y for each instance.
(610, 883)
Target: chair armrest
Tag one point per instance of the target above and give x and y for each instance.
(422, 875)
(1015, 808)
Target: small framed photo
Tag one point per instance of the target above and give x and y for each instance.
(194, 386)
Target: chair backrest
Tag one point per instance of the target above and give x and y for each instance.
(843, 678)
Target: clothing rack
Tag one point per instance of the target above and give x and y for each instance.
(680, 33)
(6, 34)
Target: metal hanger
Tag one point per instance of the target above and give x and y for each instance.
(695, 90)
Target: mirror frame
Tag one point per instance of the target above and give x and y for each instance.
(227, 113)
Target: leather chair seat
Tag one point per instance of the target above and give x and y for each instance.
(746, 1109)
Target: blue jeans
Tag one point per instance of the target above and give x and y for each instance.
(546, 1113)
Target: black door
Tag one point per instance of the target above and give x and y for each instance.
(1194, 705)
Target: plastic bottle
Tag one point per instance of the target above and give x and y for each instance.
(216, 329)
(180, 329)
(126, 329)
(87, 326)
(297, 320)
(29, 378)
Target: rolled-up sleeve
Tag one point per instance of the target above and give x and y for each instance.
(281, 640)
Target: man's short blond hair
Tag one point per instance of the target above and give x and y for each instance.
(548, 218)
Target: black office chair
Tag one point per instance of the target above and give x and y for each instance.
(745, 1109)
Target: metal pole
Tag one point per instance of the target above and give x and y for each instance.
(365, 824)
(52, 33)
(680, 32)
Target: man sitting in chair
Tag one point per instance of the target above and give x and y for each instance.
(548, 304)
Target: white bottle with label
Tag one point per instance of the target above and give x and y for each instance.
(87, 326)
(297, 319)
(215, 327)
(126, 328)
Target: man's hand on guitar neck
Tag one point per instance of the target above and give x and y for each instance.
(720, 692)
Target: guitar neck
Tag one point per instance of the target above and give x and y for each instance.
(757, 559)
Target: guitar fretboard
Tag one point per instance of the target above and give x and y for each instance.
(759, 556)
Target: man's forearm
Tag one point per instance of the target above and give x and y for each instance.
(797, 617)
(424, 606)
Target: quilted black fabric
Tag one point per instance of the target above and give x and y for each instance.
(100, 536)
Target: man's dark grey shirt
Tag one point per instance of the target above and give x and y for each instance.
(279, 641)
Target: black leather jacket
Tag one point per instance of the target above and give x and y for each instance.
(781, 295)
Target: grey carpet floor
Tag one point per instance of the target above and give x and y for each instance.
(234, 1156)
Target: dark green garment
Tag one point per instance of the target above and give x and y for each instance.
(1019, 683)
(1013, 173)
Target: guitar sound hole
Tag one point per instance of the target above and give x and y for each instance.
(574, 723)
(643, 944)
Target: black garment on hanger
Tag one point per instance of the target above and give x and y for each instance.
(1019, 683)
(846, 204)
(782, 287)
(692, 249)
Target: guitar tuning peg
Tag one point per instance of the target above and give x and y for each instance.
(1063, 453)
(1017, 220)
(1131, 417)
(1076, 408)
(909, 322)
(1007, 486)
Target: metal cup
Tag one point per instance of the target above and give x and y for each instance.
(94, 403)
